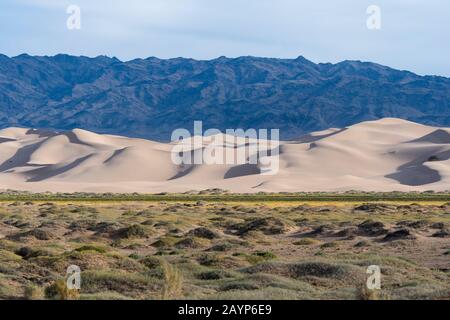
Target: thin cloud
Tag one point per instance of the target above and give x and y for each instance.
(412, 34)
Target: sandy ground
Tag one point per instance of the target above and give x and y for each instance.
(384, 155)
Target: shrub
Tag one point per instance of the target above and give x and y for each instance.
(400, 234)
(212, 275)
(133, 231)
(305, 269)
(305, 242)
(40, 234)
(191, 243)
(222, 247)
(268, 226)
(165, 242)
(366, 294)
(203, 233)
(173, 281)
(91, 248)
(151, 262)
(239, 286)
(331, 244)
(209, 260)
(117, 280)
(59, 291)
(33, 292)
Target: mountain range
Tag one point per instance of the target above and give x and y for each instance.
(151, 97)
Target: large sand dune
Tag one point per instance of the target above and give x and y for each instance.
(384, 155)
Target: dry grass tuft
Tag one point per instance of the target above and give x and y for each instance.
(59, 291)
(173, 281)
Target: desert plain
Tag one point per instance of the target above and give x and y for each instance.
(224, 249)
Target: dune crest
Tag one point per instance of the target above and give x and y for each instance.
(385, 155)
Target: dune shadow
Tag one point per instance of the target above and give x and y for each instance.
(42, 133)
(310, 138)
(439, 136)
(47, 172)
(3, 140)
(21, 157)
(415, 173)
(184, 172)
(242, 170)
(115, 154)
(74, 139)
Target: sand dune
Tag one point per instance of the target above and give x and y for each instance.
(384, 155)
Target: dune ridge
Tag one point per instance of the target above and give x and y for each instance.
(384, 155)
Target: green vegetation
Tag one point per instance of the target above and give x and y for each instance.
(221, 195)
(223, 250)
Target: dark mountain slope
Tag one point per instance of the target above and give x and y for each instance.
(151, 97)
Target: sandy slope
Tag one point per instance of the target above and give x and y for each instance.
(388, 154)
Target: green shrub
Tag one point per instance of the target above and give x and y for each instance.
(305, 242)
(32, 292)
(133, 231)
(59, 291)
(331, 244)
(213, 275)
(91, 248)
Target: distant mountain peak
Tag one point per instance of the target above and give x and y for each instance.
(151, 97)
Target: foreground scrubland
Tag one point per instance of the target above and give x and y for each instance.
(224, 250)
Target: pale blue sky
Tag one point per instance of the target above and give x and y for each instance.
(414, 36)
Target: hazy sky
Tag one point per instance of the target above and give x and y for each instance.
(414, 34)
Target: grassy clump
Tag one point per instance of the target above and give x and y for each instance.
(33, 292)
(130, 284)
(213, 275)
(331, 244)
(165, 242)
(306, 269)
(268, 226)
(95, 248)
(133, 231)
(59, 291)
(173, 281)
(260, 256)
(306, 242)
